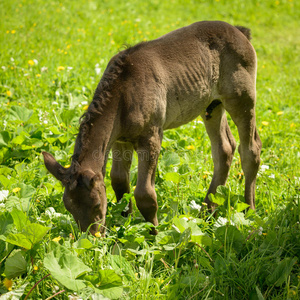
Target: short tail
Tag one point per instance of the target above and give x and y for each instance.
(246, 31)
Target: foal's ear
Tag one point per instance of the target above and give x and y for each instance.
(57, 170)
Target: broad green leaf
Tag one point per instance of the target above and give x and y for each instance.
(195, 277)
(32, 143)
(98, 297)
(281, 272)
(205, 263)
(241, 206)
(26, 191)
(122, 266)
(68, 115)
(6, 222)
(170, 159)
(66, 267)
(15, 294)
(230, 236)
(20, 219)
(35, 232)
(168, 237)
(172, 176)
(20, 113)
(15, 202)
(107, 283)
(4, 138)
(15, 265)
(184, 237)
(29, 233)
(5, 181)
(239, 219)
(201, 238)
(81, 245)
(223, 191)
(19, 139)
(180, 223)
(17, 239)
(220, 265)
(217, 198)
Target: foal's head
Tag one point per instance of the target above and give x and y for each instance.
(84, 195)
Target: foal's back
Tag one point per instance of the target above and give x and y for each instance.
(173, 79)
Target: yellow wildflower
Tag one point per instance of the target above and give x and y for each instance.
(265, 123)
(98, 234)
(57, 239)
(279, 113)
(17, 189)
(31, 62)
(38, 75)
(190, 147)
(35, 268)
(8, 93)
(85, 107)
(67, 166)
(13, 31)
(7, 283)
(293, 125)
(60, 68)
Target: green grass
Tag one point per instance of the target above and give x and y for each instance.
(52, 56)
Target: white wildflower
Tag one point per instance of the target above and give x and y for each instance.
(222, 222)
(50, 211)
(3, 195)
(264, 167)
(194, 205)
(97, 69)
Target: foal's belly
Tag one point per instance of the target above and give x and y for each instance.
(181, 110)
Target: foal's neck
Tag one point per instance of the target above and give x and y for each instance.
(95, 139)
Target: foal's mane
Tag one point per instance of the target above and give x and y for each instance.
(102, 97)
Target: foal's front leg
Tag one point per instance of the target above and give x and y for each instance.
(148, 149)
(120, 171)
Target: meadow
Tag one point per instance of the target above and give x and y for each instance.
(52, 56)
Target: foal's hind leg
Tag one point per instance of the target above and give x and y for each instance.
(242, 111)
(222, 146)
(120, 181)
(148, 148)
